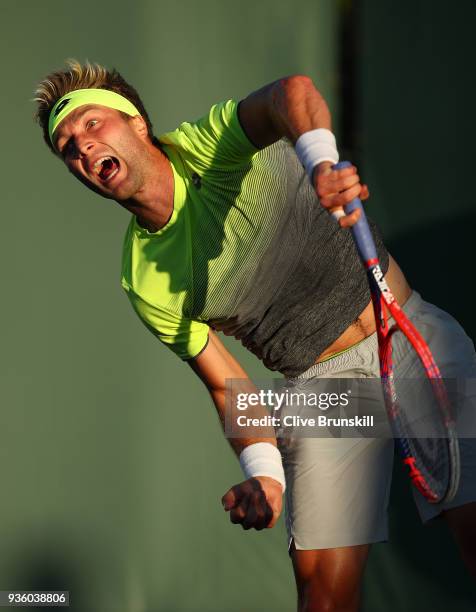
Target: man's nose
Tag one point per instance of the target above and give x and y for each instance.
(83, 146)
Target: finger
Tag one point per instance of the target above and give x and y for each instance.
(364, 194)
(336, 174)
(260, 514)
(251, 516)
(341, 199)
(266, 516)
(256, 514)
(333, 176)
(232, 497)
(351, 219)
(238, 514)
(329, 188)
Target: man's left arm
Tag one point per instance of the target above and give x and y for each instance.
(291, 107)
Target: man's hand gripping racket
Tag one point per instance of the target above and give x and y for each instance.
(433, 463)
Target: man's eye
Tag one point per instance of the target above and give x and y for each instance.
(91, 123)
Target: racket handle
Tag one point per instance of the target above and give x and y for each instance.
(361, 230)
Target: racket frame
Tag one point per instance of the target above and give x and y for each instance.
(384, 302)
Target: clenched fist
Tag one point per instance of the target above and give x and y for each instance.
(255, 503)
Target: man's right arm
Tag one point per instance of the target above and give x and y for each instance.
(256, 502)
(291, 107)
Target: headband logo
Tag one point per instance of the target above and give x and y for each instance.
(61, 106)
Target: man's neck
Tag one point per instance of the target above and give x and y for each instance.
(153, 205)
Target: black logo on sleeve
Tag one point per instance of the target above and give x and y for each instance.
(196, 180)
(61, 106)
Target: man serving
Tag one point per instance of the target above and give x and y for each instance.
(231, 232)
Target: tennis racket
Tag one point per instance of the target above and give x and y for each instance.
(416, 399)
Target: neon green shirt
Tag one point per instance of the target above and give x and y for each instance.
(192, 269)
(248, 250)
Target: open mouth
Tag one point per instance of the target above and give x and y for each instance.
(106, 167)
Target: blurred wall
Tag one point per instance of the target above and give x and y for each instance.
(112, 459)
(415, 135)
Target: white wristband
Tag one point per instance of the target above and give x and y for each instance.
(262, 459)
(314, 147)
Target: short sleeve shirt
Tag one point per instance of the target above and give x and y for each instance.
(248, 250)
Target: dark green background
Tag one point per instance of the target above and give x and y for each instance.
(112, 460)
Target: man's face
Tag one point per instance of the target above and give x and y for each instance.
(103, 149)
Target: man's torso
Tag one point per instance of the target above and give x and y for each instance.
(248, 251)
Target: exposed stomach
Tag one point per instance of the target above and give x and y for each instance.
(364, 325)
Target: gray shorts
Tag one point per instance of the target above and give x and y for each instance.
(338, 488)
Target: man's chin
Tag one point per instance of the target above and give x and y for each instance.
(118, 192)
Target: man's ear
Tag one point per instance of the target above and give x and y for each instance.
(140, 126)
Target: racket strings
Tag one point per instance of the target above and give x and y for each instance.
(420, 416)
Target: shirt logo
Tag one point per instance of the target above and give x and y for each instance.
(196, 180)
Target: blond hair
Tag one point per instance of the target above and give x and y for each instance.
(82, 76)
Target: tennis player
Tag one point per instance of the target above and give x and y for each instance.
(229, 232)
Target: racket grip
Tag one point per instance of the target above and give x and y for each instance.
(361, 230)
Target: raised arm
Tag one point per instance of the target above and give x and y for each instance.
(290, 108)
(256, 502)
(286, 108)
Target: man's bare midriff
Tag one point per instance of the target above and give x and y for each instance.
(364, 325)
